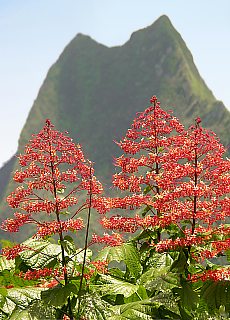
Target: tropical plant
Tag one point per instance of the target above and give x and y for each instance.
(183, 181)
(172, 265)
(51, 163)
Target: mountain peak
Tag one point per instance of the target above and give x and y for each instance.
(163, 19)
(161, 28)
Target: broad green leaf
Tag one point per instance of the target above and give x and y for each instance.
(20, 298)
(3, 294)
(6, 264)
(145, 234)
(167, 304)
(159, 280)
(35, 311)
(133, 311)
(147, 190)
(141, 294)
(216, 294)
(159, 277)
(69, 246)
(189, 298)
(180, 264)
(41, 254)
(132, 259)
(115, 286)
(78, 257)
(20, 314)
(117, 273)
(127, 253)
(228, 255)
(161, 260)
(93, 307)
(111, 254)
(58, 295)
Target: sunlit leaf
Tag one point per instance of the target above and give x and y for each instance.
(58, 295)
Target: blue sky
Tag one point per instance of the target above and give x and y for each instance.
(34, 33)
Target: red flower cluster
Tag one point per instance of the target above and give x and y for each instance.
(123, 224)
(12, 253)
(50, 163)
(13, 225)
(41, 273)
(180, 176)
(103, 204)
(101, 266)
(49, 228)
(222, 274)
(109, 240)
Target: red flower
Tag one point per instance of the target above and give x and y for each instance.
(185, 180)
(51, 162)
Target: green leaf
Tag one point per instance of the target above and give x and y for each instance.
(166, 304)
(58, 295)
(147, 190)
(228, 255)
(133, 311)
(161, 260)
(20, 314)
(6, 264)
(111, 254)
(93, 307)
(115, 286)
(20, 298)
(141, 294)
(132, 259)
(64, 212)
(216, 294)
(41, 254)
(117, 273)
(3, 294)
(69, 246)
(145, 234)
(78, 257)
(180, 264)
(127, 253)
(189, 298)
(159, 279)
(35, 311)
(60, 191)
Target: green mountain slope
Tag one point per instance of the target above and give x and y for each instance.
(94, 92)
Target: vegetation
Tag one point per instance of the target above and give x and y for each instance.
(166, 261)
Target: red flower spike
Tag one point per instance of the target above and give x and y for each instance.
(222, 274)
(109, 240)
(12, 253)
(185, 177)
(50, 164)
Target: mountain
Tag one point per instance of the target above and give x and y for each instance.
(94, 92)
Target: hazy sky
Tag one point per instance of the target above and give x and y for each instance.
(33, 33)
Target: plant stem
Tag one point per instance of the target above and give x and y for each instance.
(86, 246)
(60, 232)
